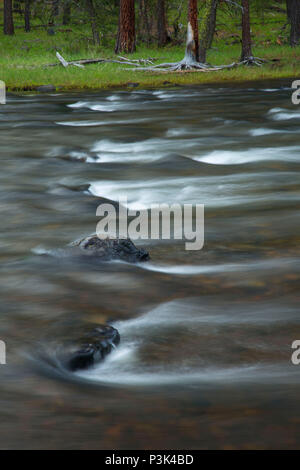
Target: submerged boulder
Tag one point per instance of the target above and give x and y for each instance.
(90, 349)
(111, 249)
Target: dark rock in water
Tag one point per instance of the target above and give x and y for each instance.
(78, 154)
(46, 88)
(90, 349)
(132, 84)
(111, 249)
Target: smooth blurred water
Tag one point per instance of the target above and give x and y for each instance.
(205, 357)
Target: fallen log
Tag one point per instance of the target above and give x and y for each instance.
(83, 62)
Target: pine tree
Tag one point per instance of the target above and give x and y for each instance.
(126, 31)
(93, 20)
(246, 32)
(193, 20)
(207, 28)
(161, 23)
(27, 15)
(295, 22)
(8, 21)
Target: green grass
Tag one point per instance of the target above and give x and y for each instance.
(24, 55)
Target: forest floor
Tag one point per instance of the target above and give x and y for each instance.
(24, 56)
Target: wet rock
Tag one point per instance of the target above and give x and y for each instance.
(110, 249)
(76, 154)
(90, 349)
(46, 88)
(132, 85)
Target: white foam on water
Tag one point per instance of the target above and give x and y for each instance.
(273, 90)
(108, 106)
(113, 374)
(276, 110)
(141, 151)
(264, 131)
(285, 116)
(100, 123)
(189, 270)
(113, 98)
(125, 367)
(281, 114)
(143, 194)
(80, 123)
(228, 157)
(178, 132)
(93, 106)
(216, 191)
(163, 95)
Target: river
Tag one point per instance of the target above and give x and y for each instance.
(205, 356)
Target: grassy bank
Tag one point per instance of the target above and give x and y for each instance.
(23, 58)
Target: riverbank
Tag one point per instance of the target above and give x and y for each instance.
(32, 73)
(24, 56)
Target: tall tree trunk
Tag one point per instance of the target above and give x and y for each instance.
(66, 12)
(27, 15)
(288, 8)
(212, 26)
(295, 23)
(246, 32)
(161, 23)
(126, 31)
(54, 12)
(93, 20)
(144, 24)
(207, 28)
(8, 26)
(193, 21)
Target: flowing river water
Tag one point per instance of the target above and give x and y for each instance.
(205, 357)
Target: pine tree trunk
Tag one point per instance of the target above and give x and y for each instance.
(161, 23)
(27, 15)
(193, 20)
(288, 8)
(212, 26)
(246, 32)
(8, 26)
(93, 20)
(144, 24)
(66, 13)
(126, 30)
(55, 8)
(295, 23)
(207, 28)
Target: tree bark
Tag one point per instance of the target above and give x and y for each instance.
(288, 8)
(144, 23)
(93, 20)
(66, 13)
(8, 26)
(212, 26)
(193, 21)
(295, 23)
(207, 28)
(126, 31)
(55, 8)
(27, 15)
(246, 32)
(161, 23)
